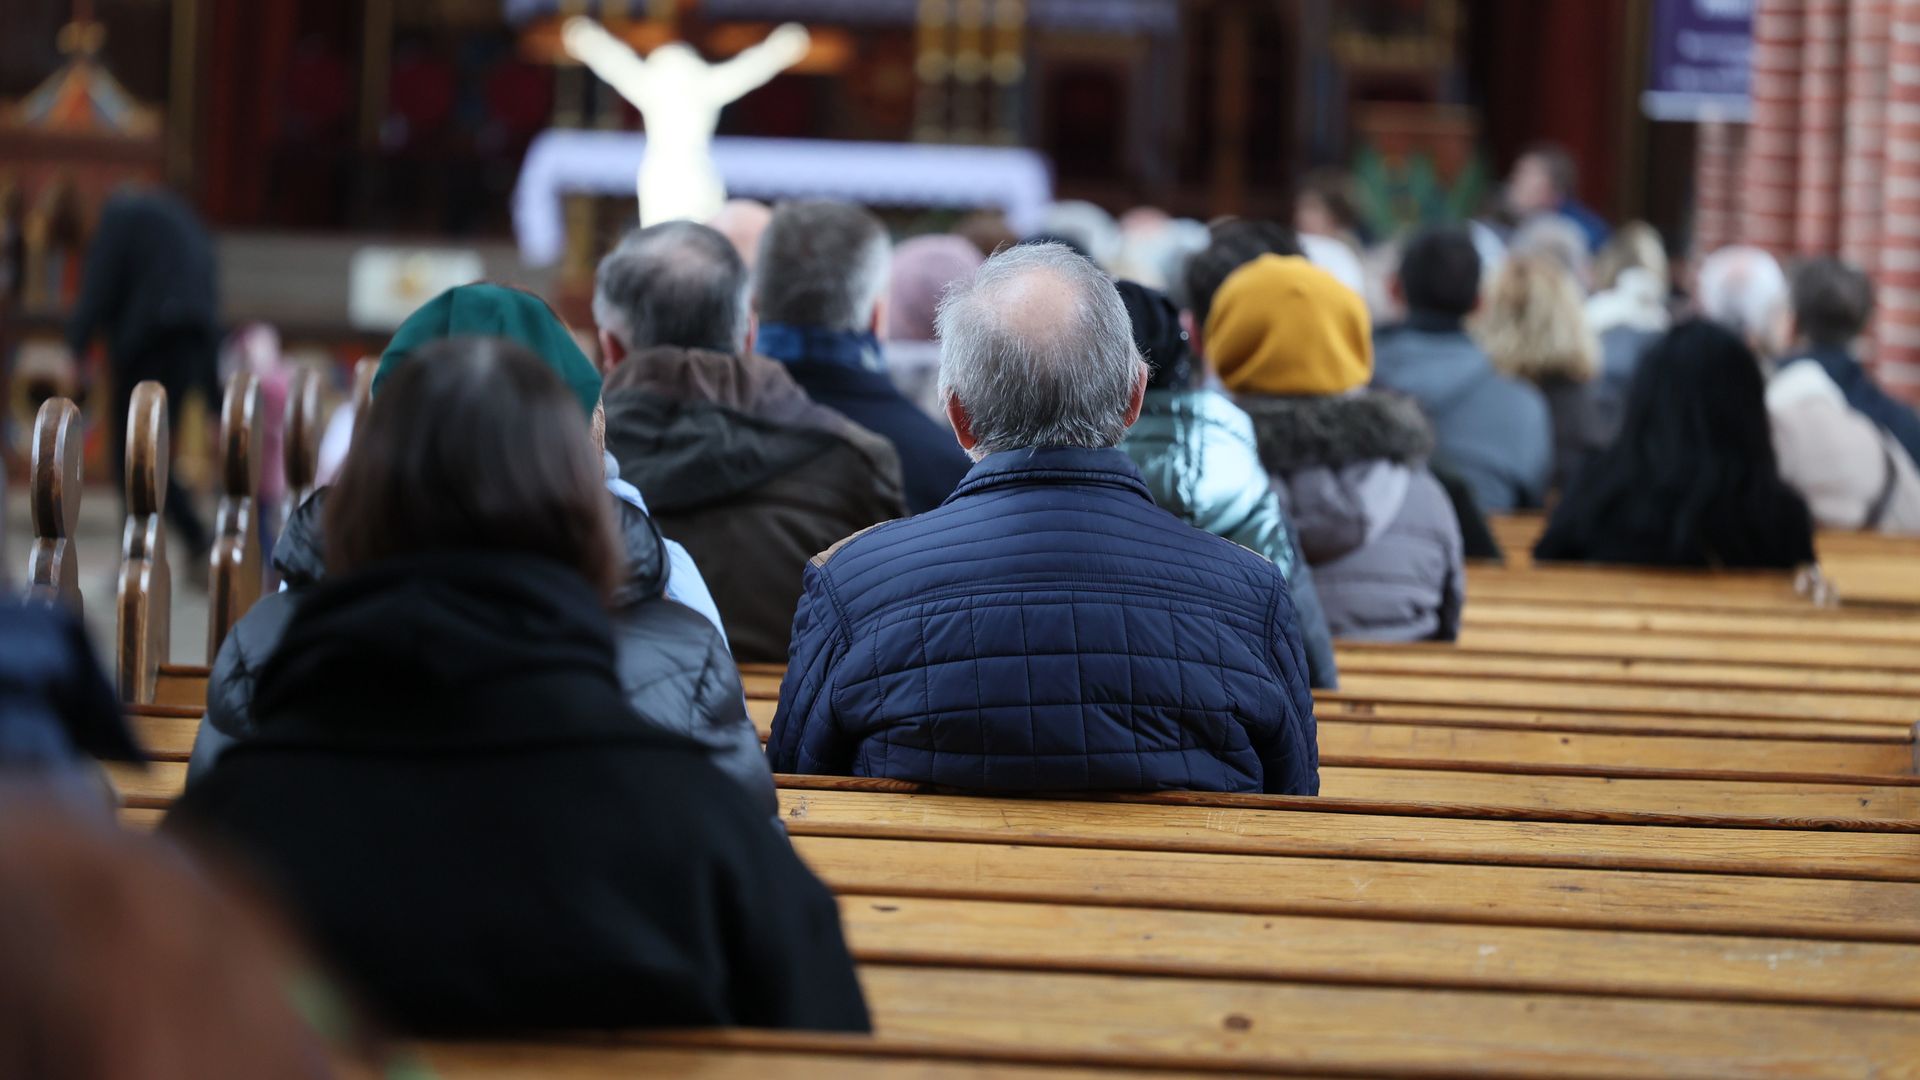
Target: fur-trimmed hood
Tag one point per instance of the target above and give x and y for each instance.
(1344, 464)
(1298, 433)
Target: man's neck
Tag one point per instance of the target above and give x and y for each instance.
(1435, 322)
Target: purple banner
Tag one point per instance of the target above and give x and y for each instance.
(1702, 60)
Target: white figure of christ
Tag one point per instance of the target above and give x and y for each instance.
(680, 97)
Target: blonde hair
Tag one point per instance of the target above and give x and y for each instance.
(1533, 325)
(1635, 244)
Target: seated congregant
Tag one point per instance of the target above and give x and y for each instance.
(1048, 628)
(819, 290)
(673, 659)
(1292, 345)
(1534, 328)
(1196, 451)
(1853, 473)
(1832, 304)
(448, 784)
(735, 460)
(1691, 480)
(1491, 431)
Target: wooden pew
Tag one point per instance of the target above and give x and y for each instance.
(1600, 671)
(753, 1055)
(1417, 891)
(1205, 824)
(237, 573)
(1586, 612)
(1778, 652)
(304, 426)
(53, 496)
(1015, 1020)
(144, 600)
(1164, 942)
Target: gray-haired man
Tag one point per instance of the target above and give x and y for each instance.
(1048, 628)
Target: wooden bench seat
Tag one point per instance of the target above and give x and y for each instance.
(1280, 948)
(1439, 659)
(1224, 825)
(1586, 612)
(1239, 1024)
(1867, 804)
(751, 1055)
(1573, 898)
(1781, 652)
(1895, 711)
(168, 734)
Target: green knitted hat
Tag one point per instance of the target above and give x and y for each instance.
(495, 311)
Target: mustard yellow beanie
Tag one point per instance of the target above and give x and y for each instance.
(1282, 326)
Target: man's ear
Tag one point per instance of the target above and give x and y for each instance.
(962, 423)
(1139, 399)
(878, 324)
(753, 332)
(1196, 341)
(611, 353)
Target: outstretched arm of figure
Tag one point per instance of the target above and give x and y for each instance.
(609, 58)
(753, 67)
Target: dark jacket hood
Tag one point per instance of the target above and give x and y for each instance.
(1306, 432)
(691, 428)
(300, 554)
(429, 636)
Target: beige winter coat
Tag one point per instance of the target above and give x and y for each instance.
(1852, 474)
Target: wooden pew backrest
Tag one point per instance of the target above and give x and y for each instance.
(144, 602)
(236, 571)
(53, 567)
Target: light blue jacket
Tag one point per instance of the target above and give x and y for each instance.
(1196, 451)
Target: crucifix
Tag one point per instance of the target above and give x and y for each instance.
(680, 97)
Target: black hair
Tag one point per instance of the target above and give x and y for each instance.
(1158, 335)
(1691, 479)
(1231, 244)
(676, 283)
(474, 444)
(1832, 301)
(1440, 271)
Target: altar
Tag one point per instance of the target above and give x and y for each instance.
(562, 162)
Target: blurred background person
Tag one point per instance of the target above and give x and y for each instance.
(923, 268)
(1543, 181)
(1533, 328)
(1691, 480)
(149, 290)
(1832, 304)
(1630, 308)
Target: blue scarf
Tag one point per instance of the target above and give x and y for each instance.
(791, 344)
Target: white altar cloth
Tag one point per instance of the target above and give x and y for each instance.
(566, 161)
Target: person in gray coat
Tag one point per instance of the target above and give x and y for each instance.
(1348, 463)
(1492, 431)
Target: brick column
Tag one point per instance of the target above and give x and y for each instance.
(1822, 150)
(1897, 357)
(1716, 186)
(1771, 168)
(1861, 176)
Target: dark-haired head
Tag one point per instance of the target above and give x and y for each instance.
(474, 444)
(1440, 272)
(1231, 244)
(1832, 302)
(1693, 467)
(1158, 335)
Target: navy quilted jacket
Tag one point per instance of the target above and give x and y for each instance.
(1048, 628)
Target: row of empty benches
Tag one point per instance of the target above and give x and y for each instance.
(1635, 823)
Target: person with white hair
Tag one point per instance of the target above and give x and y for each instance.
(1048, 628)
(1852, 474)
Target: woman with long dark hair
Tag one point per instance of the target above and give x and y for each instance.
(447, 781)
(1691, 480)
